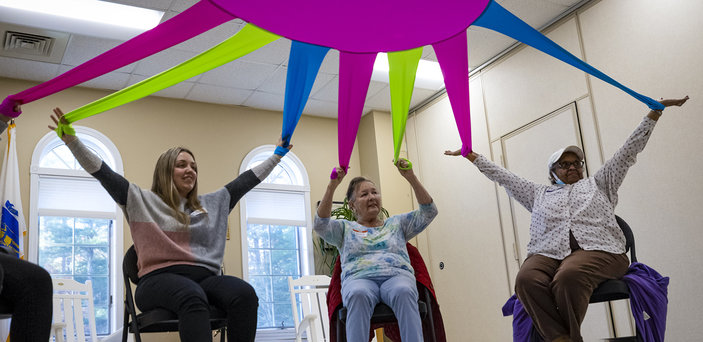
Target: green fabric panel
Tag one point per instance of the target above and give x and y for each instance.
(401, 74)
(248, 39)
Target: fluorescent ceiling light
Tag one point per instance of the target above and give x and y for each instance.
(87, 17)
(429, 74)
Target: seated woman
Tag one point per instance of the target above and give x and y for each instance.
(375, 262)
(575, 242)
(26, 288)
(179, 237)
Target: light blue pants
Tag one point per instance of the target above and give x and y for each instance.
(360, 296)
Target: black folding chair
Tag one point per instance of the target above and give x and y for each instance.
(616, 289)
(383, 313)
(612, 289)
(157, 320)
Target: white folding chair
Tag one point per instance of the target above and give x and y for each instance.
(71, 298)
(312, 291)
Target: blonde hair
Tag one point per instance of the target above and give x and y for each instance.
(164, 186)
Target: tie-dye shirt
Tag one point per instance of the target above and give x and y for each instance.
(368, 252)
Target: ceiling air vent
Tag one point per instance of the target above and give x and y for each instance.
(33, 44)
(27, 43)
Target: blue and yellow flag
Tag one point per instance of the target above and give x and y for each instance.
(12, 224)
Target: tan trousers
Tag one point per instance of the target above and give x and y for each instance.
(555, 293)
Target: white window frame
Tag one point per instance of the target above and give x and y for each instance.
(49, 141)
(276, 334)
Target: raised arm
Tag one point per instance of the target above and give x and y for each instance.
(252, 177)
(406, 170)
(611, 175)
(324, 210)
(116, 185)
(522, 190)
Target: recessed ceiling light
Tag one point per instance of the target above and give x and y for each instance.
(429, 74)
(87, 17)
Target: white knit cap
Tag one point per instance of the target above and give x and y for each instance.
(560, 152)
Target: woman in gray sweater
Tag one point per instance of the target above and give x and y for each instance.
(179, 237)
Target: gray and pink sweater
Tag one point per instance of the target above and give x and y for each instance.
(159, 239)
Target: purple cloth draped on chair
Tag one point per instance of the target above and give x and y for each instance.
(648, 294)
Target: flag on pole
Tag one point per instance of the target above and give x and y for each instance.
(12, 224)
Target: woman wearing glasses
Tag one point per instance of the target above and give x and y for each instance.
(575, 242)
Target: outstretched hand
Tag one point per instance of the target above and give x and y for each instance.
(471, 156)
(58, 117)
(17, 108)
(281, 149)
(337, 175)
(452, 153)
(281, 143)
(674, 102)
(405, 167)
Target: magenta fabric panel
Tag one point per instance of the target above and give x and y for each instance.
(389, 25)
(354, 77)
(453, 58)
(197, 19)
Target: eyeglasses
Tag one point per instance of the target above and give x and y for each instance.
(566, 165)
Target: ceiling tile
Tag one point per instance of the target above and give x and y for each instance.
(27, 70)
(221, 95)
(276, 53)
(209, 39)
(321, 81)
(484, 44)
(178, 91)
(428, 53)
(375, 88)
(537, 13)
(381, 100)
(111, 81)
(330, 65)
(328, 91)
(162, 61)
(420, 95)
(276, 84)
(82, 49)
(160, 5)
(263, 100)
(321, 108)
(182, 5)
(239, 74)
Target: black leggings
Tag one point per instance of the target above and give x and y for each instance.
(28, 289)
(189, 290)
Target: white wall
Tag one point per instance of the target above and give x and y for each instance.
(654, 47)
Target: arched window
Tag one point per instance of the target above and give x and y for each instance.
(276, 235)
(75, 228)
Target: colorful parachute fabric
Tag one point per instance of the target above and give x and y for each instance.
(326, 26)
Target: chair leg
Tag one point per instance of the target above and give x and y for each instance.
(341, 334)
(430, 316)
(125, 326)
(223, 332)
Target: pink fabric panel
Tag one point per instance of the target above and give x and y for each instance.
(354, 77)
(453, 58)
(197, 19)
